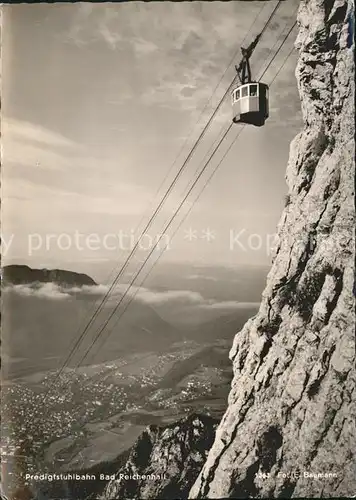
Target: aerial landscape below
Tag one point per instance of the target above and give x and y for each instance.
(94, 413)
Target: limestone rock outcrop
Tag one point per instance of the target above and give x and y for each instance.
(291, 409)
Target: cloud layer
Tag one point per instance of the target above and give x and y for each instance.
(52, 291)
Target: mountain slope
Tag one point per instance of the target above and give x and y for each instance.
(42, 330)
(292, 400)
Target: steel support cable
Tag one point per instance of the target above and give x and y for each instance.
(195, 201)
(195, 125)
(223, 126)
(112, 286)
(192, 129)
(242, 128)
(284, 40)
(121, 271)
(222, 99)
(200, 193)
(123, 268)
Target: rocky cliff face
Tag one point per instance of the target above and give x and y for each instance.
(292, 403)
(176, 452)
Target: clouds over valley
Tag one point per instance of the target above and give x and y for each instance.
(184, 298)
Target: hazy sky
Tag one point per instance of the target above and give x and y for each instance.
(98, 100)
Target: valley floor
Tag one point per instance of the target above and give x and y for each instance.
(97, 412)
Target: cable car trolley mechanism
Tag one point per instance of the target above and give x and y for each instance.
(250, 98)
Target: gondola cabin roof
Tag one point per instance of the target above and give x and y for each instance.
(250, 103)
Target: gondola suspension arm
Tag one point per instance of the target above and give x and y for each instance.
(243, 69)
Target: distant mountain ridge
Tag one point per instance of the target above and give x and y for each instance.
(17, 274)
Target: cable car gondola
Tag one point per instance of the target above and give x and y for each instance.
(249, 99)
(250, 104)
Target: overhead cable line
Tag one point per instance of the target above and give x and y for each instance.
(130, 285)
(94, 303)
(158, 208)
(193, 204)
(197, 198)
(99, 332)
